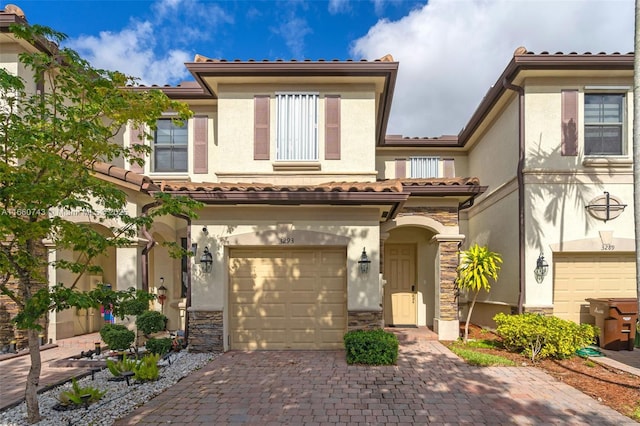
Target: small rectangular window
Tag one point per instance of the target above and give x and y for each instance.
(170, 147)
(297, 126)
(424, 167)
(604, 124)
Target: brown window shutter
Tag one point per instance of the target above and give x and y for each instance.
(135, 138)
(261, 146)
(401, 168)
(200, 144)
(448, 168)
(569, 140)
(332, 128)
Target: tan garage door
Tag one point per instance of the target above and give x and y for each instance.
(581, 276)
(287, 299)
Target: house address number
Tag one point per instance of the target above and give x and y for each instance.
(287, 240)
(608, 247)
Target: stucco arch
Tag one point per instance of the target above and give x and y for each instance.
(418, 221)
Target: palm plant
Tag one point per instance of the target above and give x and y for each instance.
(477, 266)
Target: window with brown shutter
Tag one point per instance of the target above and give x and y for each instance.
(135, 138)
(401, 168)
(261, 145)
(332, 127)
(569, 138)
(200, 144)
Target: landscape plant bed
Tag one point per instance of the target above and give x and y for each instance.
(614, 388)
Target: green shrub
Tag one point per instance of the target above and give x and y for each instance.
(150, 322)
(372, 347)
(117, 336)
(134, 306)
(159, 346)
(118, 367)
(147, 369)
(538, 336)
(75, 395)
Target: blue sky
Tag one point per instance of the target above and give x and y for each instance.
(450, 51)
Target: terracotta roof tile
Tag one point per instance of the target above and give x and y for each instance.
(382, 186)
(141, 181)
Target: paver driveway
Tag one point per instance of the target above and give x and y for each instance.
(429, 385)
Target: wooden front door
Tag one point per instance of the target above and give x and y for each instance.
(400, 306)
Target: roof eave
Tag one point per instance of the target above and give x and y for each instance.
(529, 61)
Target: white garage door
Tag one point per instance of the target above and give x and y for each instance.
(287, 299)
(582, 276)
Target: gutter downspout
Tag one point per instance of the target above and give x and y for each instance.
(147, 248)
(521, 236)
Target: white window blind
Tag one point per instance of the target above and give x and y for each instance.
(297, 129)
(424, 167)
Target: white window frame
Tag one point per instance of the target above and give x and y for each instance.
(171, 146)
(297, 126)
(424, 167)
(622, 125)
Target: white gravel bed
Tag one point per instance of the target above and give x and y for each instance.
(119, 400)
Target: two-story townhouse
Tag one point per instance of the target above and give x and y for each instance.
(552, 142)
(315, 221)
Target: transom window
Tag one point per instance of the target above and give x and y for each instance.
(297, 126)
(603, 124)
(424, 167)
(170, 147)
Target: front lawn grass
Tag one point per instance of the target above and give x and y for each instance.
(479, 358)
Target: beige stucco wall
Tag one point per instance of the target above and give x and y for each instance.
(559, 187)
(351, 228)
(234, 161)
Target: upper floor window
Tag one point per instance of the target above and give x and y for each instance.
(170, 147)
(297, 126)
(604, 124)
(424, 167)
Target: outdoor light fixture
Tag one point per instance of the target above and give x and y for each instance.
(364, 262)
(542, 267)
(206, 260)
(162, 294)
(205, 230)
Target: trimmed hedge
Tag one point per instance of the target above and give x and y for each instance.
(543, 336)
(151, 322)
(117, 336)
(371, 347)
(158, 346)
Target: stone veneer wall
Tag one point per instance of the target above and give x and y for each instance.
(546, 311)
(448, 216)
(448, 275)
(206, 331)
(363, 320)
(9, 309)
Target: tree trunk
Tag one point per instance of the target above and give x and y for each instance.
(33, 378)
(466, 324)
(636, 145)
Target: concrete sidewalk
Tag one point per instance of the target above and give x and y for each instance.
(14, 368)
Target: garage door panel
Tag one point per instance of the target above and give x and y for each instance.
(581, 276)
(294, 299)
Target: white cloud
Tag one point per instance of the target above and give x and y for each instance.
(451, 52)
(131, 51)
(293, 32)
(338, 6)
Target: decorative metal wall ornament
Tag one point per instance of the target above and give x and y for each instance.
(605, 207)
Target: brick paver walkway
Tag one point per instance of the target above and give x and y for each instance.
(429, 385)
(13, 370)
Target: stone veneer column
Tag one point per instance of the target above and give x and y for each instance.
(364, 320)
(447, 322)
(206, 330)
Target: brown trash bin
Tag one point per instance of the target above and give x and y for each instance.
(616, 318)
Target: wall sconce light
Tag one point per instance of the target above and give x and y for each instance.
(542, 267)
(206, 260)
(194, 248)
(162, 294)
(364, 262)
